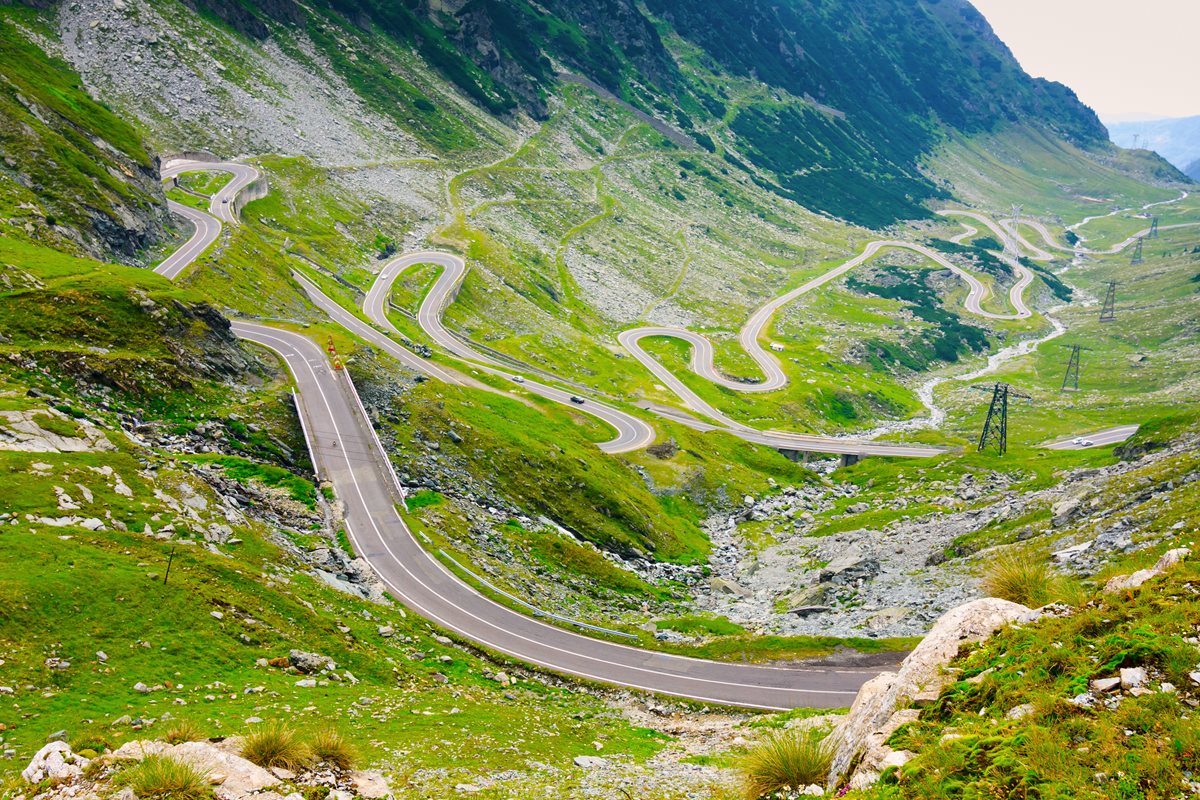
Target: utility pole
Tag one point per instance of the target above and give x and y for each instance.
(1071, 379)
(170, 561)
(995, 427)
(1137, 257)
(1109, 312)
(1153, 234)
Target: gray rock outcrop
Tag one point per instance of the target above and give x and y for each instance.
(1164, 563)
(881, 705)
(55, 762)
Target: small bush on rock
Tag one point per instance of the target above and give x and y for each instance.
(334, 749)
(165, 778)
(788, 759)
(276, 745)
(1023, 579)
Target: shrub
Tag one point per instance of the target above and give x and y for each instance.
(1021, 579)
(788, 759)
(334, 749)
(276, 745)
(165, 777)
(185, 730)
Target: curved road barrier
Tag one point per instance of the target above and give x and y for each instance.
(207, 226)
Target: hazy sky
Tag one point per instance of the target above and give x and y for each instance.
(1123, 57)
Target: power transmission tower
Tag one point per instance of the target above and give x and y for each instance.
(1109, 312)
(1071, 379)
(995, 427)
(1137, 257)
(1153, 234)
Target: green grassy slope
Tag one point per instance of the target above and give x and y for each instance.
(196, 638)
(1140, 744)
(75, 175)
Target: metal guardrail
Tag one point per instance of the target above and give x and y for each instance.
(308, 439)
(537, 612)
(380, 451)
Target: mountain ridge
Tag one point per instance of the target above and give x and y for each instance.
(848, 143)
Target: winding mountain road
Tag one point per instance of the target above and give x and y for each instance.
(347, 452)
(703, 364)
(207, 226)
(1050, 241)
(1011, 228)
(633, 433)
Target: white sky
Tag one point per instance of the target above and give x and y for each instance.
(1123, 57)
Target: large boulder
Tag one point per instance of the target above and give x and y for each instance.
(55, 762)
(850, 567)
(236, 775)
(726, 586)
(1063, 511)
(859, 738)
(137, 749)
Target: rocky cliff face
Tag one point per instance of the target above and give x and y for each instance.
(73, 175)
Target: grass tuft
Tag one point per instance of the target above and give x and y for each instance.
(334, 749)
(185, 730)
(1022, 579)
(276, 745)
(165, 777)
(789, 759)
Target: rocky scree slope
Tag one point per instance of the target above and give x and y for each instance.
(859, 557)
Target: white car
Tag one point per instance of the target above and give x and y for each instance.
(1077, 440)
(1087, 443)
(518, 379)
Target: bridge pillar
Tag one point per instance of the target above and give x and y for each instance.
(850, 459)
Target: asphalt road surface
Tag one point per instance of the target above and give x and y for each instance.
(207, 230)
(1098, 439)
(207, 226)
(633, 433)
(347, 453)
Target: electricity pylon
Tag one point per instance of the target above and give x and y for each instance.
(995, 427)
(1137, 257)
(1153, 234)
(1071, 379)
(1109, 312)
